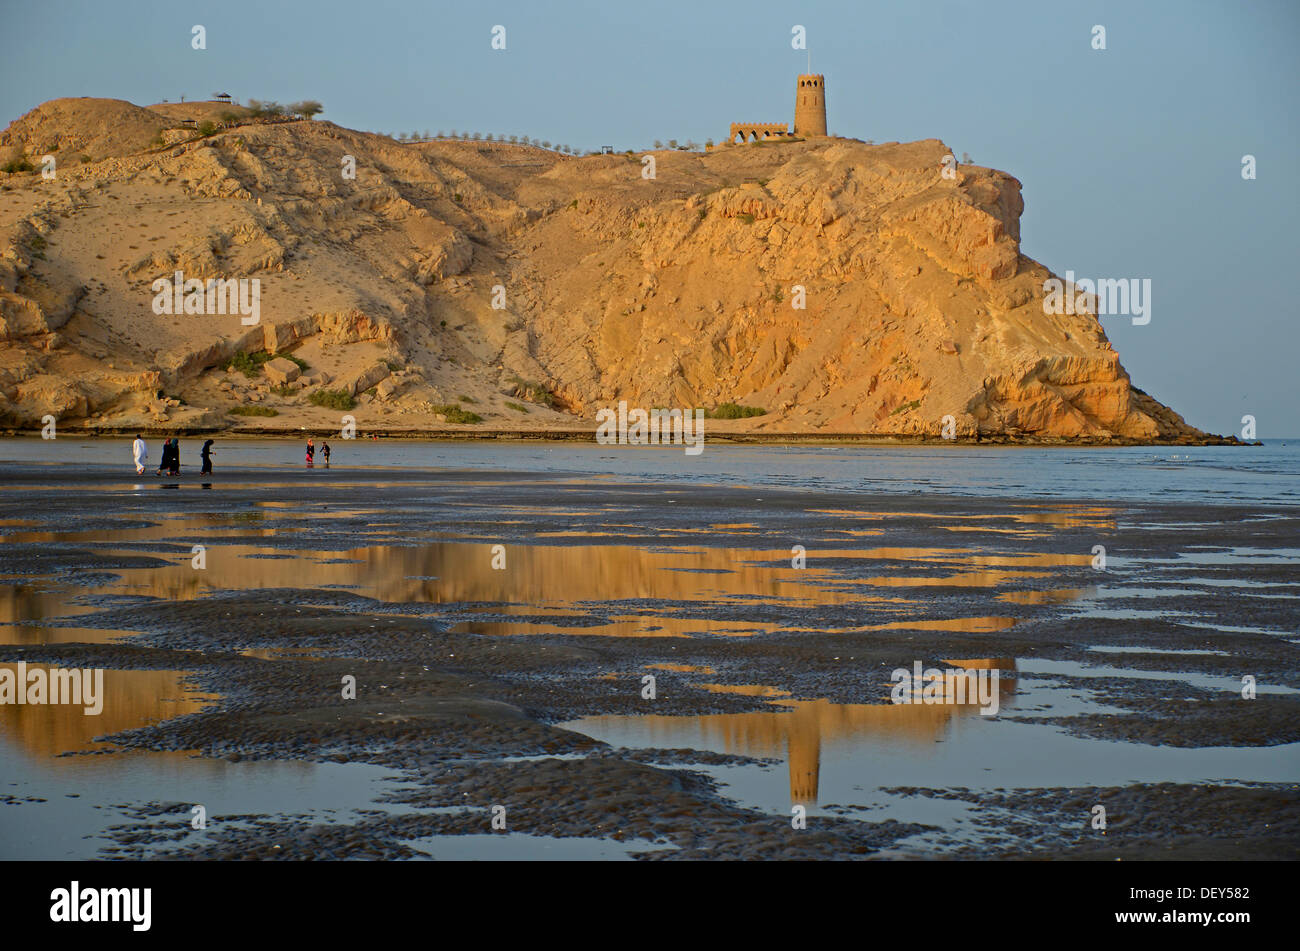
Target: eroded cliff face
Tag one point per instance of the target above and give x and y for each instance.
(535, 288)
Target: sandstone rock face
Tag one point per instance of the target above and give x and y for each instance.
(277, 337)
(281, 370)
(21, 317)
(366, 379)
(843, 287)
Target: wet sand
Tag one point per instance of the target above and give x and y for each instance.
(522, 686)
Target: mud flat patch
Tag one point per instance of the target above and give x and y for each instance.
(524, 686)
(1165, 821)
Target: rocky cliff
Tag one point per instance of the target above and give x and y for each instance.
(842, 287)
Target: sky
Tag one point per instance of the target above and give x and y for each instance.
(1130, 157)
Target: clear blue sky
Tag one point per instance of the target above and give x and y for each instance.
(1130, 157)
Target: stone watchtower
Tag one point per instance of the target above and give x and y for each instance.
(810, 105)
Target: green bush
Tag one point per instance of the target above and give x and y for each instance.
(254, 411)
(517, 407)
(307, 108)
(455, 414)
(249, 364)
(733, 411)
(17, 165)
(533, 392)
(905, 407)
(333, 399)
(258, 109)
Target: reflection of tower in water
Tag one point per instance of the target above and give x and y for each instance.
(810, 722)
(803, 743)
(799, 728)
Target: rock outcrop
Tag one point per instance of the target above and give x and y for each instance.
(843, 287)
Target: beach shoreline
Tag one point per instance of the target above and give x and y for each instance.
(473, 434)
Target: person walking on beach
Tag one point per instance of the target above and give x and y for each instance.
(176, 458)
(311, 454)
(206, 454)
(165, 463)
(325, 451)
(140, 452)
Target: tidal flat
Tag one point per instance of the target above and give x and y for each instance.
(566, 664)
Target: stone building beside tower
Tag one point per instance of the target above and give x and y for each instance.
(809, 114)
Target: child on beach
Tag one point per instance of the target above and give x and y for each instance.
(311, 454)
(325, 451)
(206, 454)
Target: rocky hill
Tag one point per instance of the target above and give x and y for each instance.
(529, 288)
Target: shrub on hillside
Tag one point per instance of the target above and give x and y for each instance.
(733, 411)
(249, 364)
(454, 414)
(333, 399)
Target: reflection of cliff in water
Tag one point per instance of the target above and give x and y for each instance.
(27, 602)
(23, 606)
(132, 698)
(463, 572)
(537, 575)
